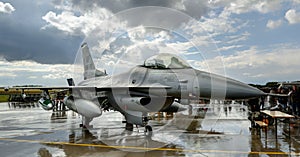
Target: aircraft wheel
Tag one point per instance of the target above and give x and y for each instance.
(129, 127)
(148, 130)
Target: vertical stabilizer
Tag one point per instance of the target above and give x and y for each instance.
(90, 70)
(71, 82)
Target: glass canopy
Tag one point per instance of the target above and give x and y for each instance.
(166, 61)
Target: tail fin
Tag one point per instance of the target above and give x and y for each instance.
(90, 70)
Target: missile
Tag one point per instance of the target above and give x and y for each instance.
(46, 104)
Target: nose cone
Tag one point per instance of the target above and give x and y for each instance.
(238, 90)
(219, 87)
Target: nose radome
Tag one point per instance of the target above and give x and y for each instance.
(238, 90)
(220, 87)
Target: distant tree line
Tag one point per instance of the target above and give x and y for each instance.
(28, 86)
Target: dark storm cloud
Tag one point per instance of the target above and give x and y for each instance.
(22, 36)
(194, 8)
(20, 43)
(23, 39)
(169, 14)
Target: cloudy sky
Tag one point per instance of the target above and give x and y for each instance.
(254, 41)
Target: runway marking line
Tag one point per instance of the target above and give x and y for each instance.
(145, 148)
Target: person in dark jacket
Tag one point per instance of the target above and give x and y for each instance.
(295, 100)
(282, 101)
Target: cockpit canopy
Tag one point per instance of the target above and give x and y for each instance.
(165, 61)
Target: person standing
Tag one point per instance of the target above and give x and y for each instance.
(295, 100)
(282, 100)
(262, 102)
(271, 99)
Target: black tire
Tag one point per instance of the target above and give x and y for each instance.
(129, 127)
(148, 131)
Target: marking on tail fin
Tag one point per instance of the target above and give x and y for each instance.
(71, 82)
(90, 70)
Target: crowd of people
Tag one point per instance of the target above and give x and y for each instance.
(288, 100)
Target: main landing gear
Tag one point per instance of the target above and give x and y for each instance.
(86, 123)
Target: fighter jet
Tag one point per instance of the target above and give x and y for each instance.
(164, 83)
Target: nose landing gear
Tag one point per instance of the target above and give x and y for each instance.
(138, 119)
(148, 131)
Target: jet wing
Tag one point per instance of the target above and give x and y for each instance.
(138, 90)
(103, 88)
(132, 88)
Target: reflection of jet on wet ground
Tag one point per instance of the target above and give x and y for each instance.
(260, 145)
(162, 84)
(85, 143)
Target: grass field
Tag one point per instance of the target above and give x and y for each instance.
(4, 95)
(4, 98)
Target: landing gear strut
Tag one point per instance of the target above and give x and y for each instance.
(86, 123)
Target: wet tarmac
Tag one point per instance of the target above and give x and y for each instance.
(210, 130)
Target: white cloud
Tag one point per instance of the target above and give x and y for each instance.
(292, 16)
(267, 6)
(7, 74)
(262, 65)
(225, 48)
(142, 43)
(245, 6)
(216, 30)
(202, 32)
(33, 77)
(68, 22)
(237, 38)
(180, 47)
(296, 1)
(27, 71)
(222, 23)
(252, 58)
(274, 24)
(6, 8)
